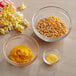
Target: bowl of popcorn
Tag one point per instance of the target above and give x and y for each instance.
(51, 23)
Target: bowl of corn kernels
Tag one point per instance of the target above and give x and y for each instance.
(51, 23)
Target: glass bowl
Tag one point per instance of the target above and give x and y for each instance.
(51, 51)
(20, 39)
(51, 11)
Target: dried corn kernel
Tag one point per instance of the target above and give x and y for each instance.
(51, 27)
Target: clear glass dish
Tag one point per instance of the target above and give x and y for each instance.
(20, 39)
(51, 51)
(51, 11)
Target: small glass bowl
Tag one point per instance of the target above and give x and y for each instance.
(51, 11)
(20, 39)
(51, 51)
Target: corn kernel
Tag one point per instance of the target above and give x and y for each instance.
(51, 26)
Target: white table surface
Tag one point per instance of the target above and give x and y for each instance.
(67, 47)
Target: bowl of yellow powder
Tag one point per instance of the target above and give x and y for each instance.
(20, 50)
(51, 56)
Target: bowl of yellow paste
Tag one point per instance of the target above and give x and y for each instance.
(20, 50)
(51, 56)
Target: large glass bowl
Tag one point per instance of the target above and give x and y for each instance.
(20, 39)
(51, 11)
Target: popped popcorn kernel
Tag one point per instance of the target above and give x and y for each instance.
(19, 15)
(8, 8)
(2, 31)
(5, 28)
(0, 16)
(21, 7)
(25, 22)
(19, 28)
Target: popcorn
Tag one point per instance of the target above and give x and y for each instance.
(10, 28)
(18, 20)
(4, 22)
(0, 15)
(19, 28)
(15, 23)
(21, 7)
(19, 15)
(10, 19)
(4, 2)
(2, 31)
(25, 22)
(6, 31)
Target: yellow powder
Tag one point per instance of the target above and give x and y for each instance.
(21, 54)
(51, 58)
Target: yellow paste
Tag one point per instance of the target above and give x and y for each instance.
(51, 58)
(21, 54)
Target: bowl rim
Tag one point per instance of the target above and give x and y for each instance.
(44, 54)
(15, 63)
(62, 37)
